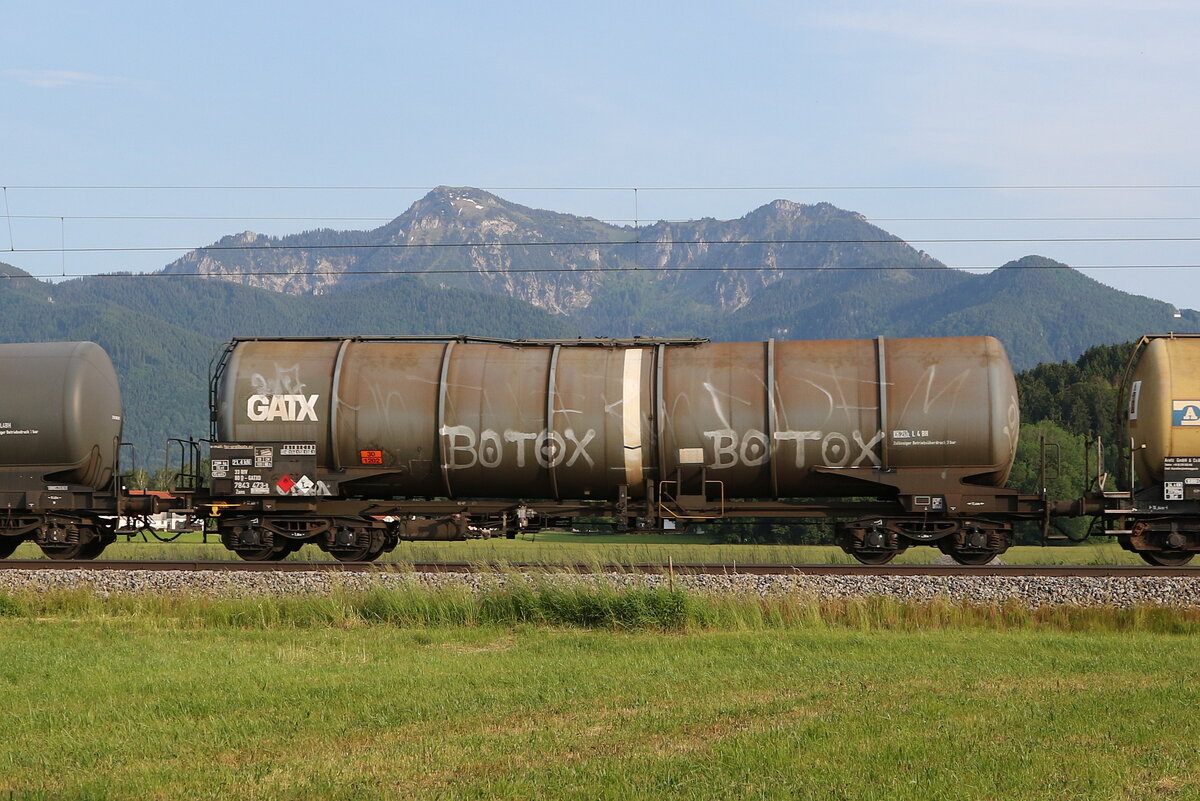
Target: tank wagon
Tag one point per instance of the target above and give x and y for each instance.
(1158, 516)
(60, 439)
(356, 443)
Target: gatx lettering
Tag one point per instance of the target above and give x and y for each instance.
(287, 408)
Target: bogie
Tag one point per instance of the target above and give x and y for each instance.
(1162, 542)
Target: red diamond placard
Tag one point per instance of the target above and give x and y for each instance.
(285, 485)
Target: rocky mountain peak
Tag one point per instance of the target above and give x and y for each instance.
(455, 199)
(450, 214)
(788, 209)
(470, 238)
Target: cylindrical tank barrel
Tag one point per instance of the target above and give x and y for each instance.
(1164, 404)
(61, 415)
(537, 420)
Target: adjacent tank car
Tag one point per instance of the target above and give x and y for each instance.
(1159, 516)
(60, 436)
(354, 443)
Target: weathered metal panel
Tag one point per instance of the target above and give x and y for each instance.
(715, 400)
(952, 402)
(828, 415)
(387, 413)
(494, 434)
(602, 418)
(61, 411)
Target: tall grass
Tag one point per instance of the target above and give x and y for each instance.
(560, 548)
(545, 602)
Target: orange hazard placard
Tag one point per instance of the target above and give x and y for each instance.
(371, 457)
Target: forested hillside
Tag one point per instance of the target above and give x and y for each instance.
(1042, 311)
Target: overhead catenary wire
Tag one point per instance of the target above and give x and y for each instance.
(570, 270)
(637, 222)
(1030, 219)
(196, 218)
(638, 236)
(631, 189)
(714, 188)
(634, 220)
(608, 243)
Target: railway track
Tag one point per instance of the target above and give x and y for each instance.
(1096, 571)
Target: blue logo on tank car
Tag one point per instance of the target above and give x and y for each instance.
(1185, 413)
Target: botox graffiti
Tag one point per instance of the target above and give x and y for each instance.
(753, 448)
(932, 401)
(466, 448)
(833, 448)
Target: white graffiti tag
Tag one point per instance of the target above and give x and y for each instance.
(751, 448)
(465, 448)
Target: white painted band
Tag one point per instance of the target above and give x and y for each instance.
(631, 416)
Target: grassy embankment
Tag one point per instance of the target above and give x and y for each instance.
(555, 547)
(533, 692)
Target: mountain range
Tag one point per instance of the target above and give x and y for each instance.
(474, 263)
(639, 279)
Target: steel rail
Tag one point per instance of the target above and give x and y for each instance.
(1092, 571)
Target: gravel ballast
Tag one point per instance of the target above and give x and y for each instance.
(1031, 590)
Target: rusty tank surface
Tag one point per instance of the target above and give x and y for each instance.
(594, 419)
(60, 423)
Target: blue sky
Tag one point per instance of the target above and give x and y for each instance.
(545, 102)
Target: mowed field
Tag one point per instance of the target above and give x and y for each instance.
(663, 696)
(554, 547)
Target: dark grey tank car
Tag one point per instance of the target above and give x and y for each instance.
(60, 438)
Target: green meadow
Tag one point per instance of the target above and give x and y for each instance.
(537, 691)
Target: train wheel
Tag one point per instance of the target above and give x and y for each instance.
(874, 558)
(267, 553)
(373, 544)
(8, 545)
(973, 558)
(1166, 558)
(363, 554)
(93, 549)
(65, 552)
